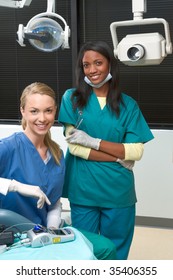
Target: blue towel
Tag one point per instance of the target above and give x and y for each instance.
(78, 249)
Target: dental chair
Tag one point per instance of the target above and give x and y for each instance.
(87, 245)
(79, 249)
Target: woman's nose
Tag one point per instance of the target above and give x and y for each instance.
(92, 68)
(41, 117)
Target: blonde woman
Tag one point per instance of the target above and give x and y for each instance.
(31, 164)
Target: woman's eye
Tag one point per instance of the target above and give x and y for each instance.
(49, 110)
(33, 112)
(98, 63)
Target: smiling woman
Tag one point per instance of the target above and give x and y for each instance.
(103, 149)
(38, 114)
(33, 161)
(96, 68)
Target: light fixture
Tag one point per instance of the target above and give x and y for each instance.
(145, 48)
(43, 32)
(15, 4)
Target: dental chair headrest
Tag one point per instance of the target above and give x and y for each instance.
(9, 218)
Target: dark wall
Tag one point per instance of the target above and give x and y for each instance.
(151, 86)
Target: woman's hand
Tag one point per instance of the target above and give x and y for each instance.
(82, 138)
(29, 190)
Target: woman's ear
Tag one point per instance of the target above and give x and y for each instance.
(21, 110)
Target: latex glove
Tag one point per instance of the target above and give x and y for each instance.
(54, 216)
(82, 138)
(129, 164)
(29, 190)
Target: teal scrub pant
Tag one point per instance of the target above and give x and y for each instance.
(103, 248)
(117, 224)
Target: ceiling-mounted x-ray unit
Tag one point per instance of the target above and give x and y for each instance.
(141, 49)
(44, 32)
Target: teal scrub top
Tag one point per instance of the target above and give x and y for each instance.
(102, 184)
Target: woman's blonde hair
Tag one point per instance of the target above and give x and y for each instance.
(42, 89)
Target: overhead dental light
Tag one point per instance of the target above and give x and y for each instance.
(141, 49)
(15, 3)
(43, 32)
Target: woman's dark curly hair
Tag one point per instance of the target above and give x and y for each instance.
(83, 90)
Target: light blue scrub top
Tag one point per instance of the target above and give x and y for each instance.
(20, 160)
(104, 184)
